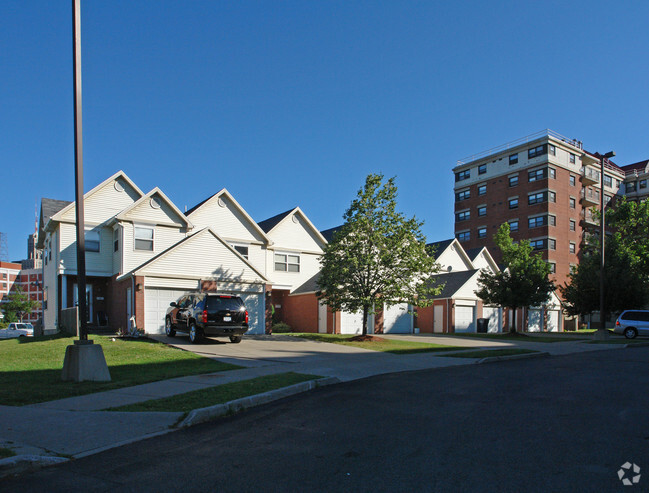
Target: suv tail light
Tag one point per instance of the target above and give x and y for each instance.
(204, 316)
(246, 316)
(617, 323)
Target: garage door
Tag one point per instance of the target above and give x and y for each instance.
(156, 302)
(397, 319)
(534, 320)
(464, 319)
(492, 314)
(553, 320)
(255, 305)
(352, 323)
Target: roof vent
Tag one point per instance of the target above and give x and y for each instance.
(221, 202)
(119, 186)
(155, 203)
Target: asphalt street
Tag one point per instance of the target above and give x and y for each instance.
(565, 423)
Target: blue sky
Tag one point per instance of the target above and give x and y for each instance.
(293, 103)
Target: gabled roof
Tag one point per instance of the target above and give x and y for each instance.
(268, 224)
(49, 208)
(640, 166)
(309, 286)
(218, 195)
(328, 234)
(453, 282)
(119, 174)
(439, 246)
(156, 191)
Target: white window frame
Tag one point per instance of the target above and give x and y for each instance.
(136, 239)
(286, 262)
(86, 238)
(242, 245)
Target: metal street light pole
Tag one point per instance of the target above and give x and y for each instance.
(602, 333)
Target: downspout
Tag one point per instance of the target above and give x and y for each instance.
(132, 303)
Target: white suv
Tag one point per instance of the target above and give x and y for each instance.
(632, 323)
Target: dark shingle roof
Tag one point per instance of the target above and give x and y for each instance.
(271, 222)
(49, 207)
(639, 166)
(439, 246)
(472, 253)
(329, 233)
(452, 282)
(310, 286)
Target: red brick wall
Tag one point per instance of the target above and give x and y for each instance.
(117, 305)
(301, 312)
(139, 301)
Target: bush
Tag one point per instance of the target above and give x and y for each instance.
(281, 328)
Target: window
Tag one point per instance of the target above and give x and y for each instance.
(513, 181)
(537, 174)
(630, 187)
(608, 181)
(513, 225)
(572, 247)
(572, 158)
(573, 225)
(482, 232)
(535, 222)
(116, 240)
(642, 184)
(482, 210)
(285, 262)
(552, 173)
(464, 236)
(537, 151)
(143, 238)
(482, 169)
(552, 149)
(4, 275)
(463, 216)
(93, 240)
(552, 220)
(539, 244)
(573, 203)
(552, 197)
(573, 180)
(482, 189)
(513, 159)
(537, 198)
(513, 203)
(553, 267)
(242, 249)
(552, 244)
(463, 175)
(462, 195)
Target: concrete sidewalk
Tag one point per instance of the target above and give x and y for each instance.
(79, 426)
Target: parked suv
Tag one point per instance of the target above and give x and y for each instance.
(632, 322)
(207, 314)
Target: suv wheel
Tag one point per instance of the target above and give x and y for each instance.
(235, 339)
(195, 335)
(630, 332)
(168, 329)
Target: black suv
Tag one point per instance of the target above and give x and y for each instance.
(207, 314)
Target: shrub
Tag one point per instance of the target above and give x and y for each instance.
(281, 328)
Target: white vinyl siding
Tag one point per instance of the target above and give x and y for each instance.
(97, 263)
(105, 203)
(164, 215)
(164, 238)
(228, 222)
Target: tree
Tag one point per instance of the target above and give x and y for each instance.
(377, 256)
(18, 305)
(524, 281)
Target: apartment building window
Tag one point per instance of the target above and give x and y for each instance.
(552, 149)
(537, 151)
(462, 195)
(513, 203)
(513, 159)
(482, 210)
(482, 232)
(539, 244)
(513, 181)
(513, 225)
(553, 267)
(552, 173)
(572, 158)
(552, 220)
(93, 240)
(482, 189)
(463, 216)
(573, 203)
(285, 262)
(607, 199)
(482, 169)
(573, 180)
(573, 247)
(4, 275)
(537, 174)
(463, 175)
(630, 187)
(642, 184)
(115, 239)
(464, 236)
(552, 196)
(573, 225)
(608, 181)
(537, 198)
(143, 238)
(552, 244)
(537, 221)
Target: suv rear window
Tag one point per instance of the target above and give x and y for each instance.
(215, 303)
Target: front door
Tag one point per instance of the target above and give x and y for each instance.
(438, 318)
(88, 300)
(322, 317)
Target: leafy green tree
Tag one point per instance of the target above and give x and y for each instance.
(630, 223)
(18, 305)
(378, 255)
(524, 281)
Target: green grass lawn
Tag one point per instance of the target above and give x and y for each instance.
(30, 368)
(521, 337)
(219, 394)
(386, 345)
(487, 353)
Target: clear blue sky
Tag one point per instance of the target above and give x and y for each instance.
(293, 103)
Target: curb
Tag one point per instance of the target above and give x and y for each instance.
(27, 463)
(495, 359)
(208, 413)
(636, 344)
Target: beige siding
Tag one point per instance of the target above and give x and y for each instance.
(228, 222)
(97, 263)
(469, 289)
(202, 257)
(257, 257)
(117, 255)
(453, 259)
(166, 282)
(105, 203)
(145, 213)
(163, 238)
(309, 266)
(295, 236)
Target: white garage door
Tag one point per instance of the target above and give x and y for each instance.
(397, 319)
(492, 314)
(464, 319)
(352, 323)
(156, 302)
(534, 320)
(255, 305)
(553, 320)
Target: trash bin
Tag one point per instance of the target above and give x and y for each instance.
(483, 325)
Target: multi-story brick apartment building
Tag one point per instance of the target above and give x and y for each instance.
(545, 186)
